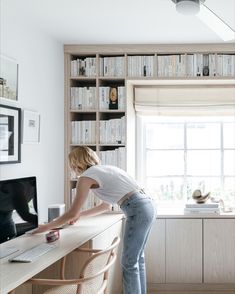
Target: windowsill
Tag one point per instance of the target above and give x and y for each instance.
(178, 212)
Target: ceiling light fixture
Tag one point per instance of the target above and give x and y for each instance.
(206, 15)
(188, 7)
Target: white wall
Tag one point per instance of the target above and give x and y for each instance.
(40, 60)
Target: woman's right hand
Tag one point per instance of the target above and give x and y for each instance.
(74, 220)
(41, 229)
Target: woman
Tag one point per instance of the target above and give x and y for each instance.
(113, 186)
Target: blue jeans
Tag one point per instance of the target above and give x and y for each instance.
(140, 215)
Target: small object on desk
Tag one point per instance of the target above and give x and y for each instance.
(53, 236)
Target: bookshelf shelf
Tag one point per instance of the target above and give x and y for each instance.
(93, 71)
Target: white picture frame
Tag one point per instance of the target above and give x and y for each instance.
(8, 79)
(31, 127)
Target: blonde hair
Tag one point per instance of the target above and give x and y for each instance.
(81, 158)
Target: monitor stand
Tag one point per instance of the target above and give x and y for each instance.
(7, 251)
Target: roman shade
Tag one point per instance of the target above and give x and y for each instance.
(217, 98)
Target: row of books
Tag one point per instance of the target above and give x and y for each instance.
(83, 98)
(116, 157)
(112, 131)
(201, 65)
(83, 67)
(202, 208)
(193, 65)
(140, 66)
(105, 98)
(169, 65)
(90, 202)
(112, 66)
(83, 132)
(225, 65)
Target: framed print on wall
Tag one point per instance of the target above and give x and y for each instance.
(31, 127)
(8, 78)
(10, 118)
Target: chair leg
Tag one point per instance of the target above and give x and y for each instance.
(62, 268)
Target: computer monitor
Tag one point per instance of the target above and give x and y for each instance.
(18, 207)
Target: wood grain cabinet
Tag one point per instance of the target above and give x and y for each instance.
(104, 240)
(174, 251)
(155, 253)
(219, 251)
(183, 251)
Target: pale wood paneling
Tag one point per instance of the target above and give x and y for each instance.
(104, 240)
(148, 48)
(183, 251)
(155, 253)
(219, 251)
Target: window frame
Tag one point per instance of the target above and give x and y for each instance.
(141, 151)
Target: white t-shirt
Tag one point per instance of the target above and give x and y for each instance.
(113, 182)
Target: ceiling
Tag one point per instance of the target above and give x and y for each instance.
(116, 22)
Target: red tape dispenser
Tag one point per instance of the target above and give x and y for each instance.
(53, 236)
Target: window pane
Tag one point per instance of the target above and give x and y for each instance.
(203, 135)
(229, 135)
(164, 163)
(165, 189)
(229, 191)
(206, 185)
(205, 163)
(229, 162)
(165, 136)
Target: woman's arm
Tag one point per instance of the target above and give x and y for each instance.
(103, 207)
(83, 186)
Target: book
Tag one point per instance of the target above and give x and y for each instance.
(201, 210)
(202, 205)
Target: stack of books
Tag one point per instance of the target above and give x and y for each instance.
(203, 208)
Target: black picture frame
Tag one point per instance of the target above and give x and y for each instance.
(10, 134)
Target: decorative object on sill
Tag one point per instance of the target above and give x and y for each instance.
(8, 78)
(199, 198)
(222, 205)
(31, 127)
(200, 205)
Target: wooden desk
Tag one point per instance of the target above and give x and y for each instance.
(14, 274)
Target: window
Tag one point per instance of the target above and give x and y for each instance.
(177, 155)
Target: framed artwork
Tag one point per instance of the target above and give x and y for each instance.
(10, 118)
(31, 127)
(8, 78)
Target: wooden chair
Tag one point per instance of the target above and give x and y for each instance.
(93, 278)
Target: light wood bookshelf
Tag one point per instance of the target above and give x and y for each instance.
(98, 52)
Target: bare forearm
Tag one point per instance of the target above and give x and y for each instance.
(103, 207)
(65, 218)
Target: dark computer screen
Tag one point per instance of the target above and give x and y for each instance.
(18, 207)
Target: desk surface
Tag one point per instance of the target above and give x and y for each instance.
(14, 274)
